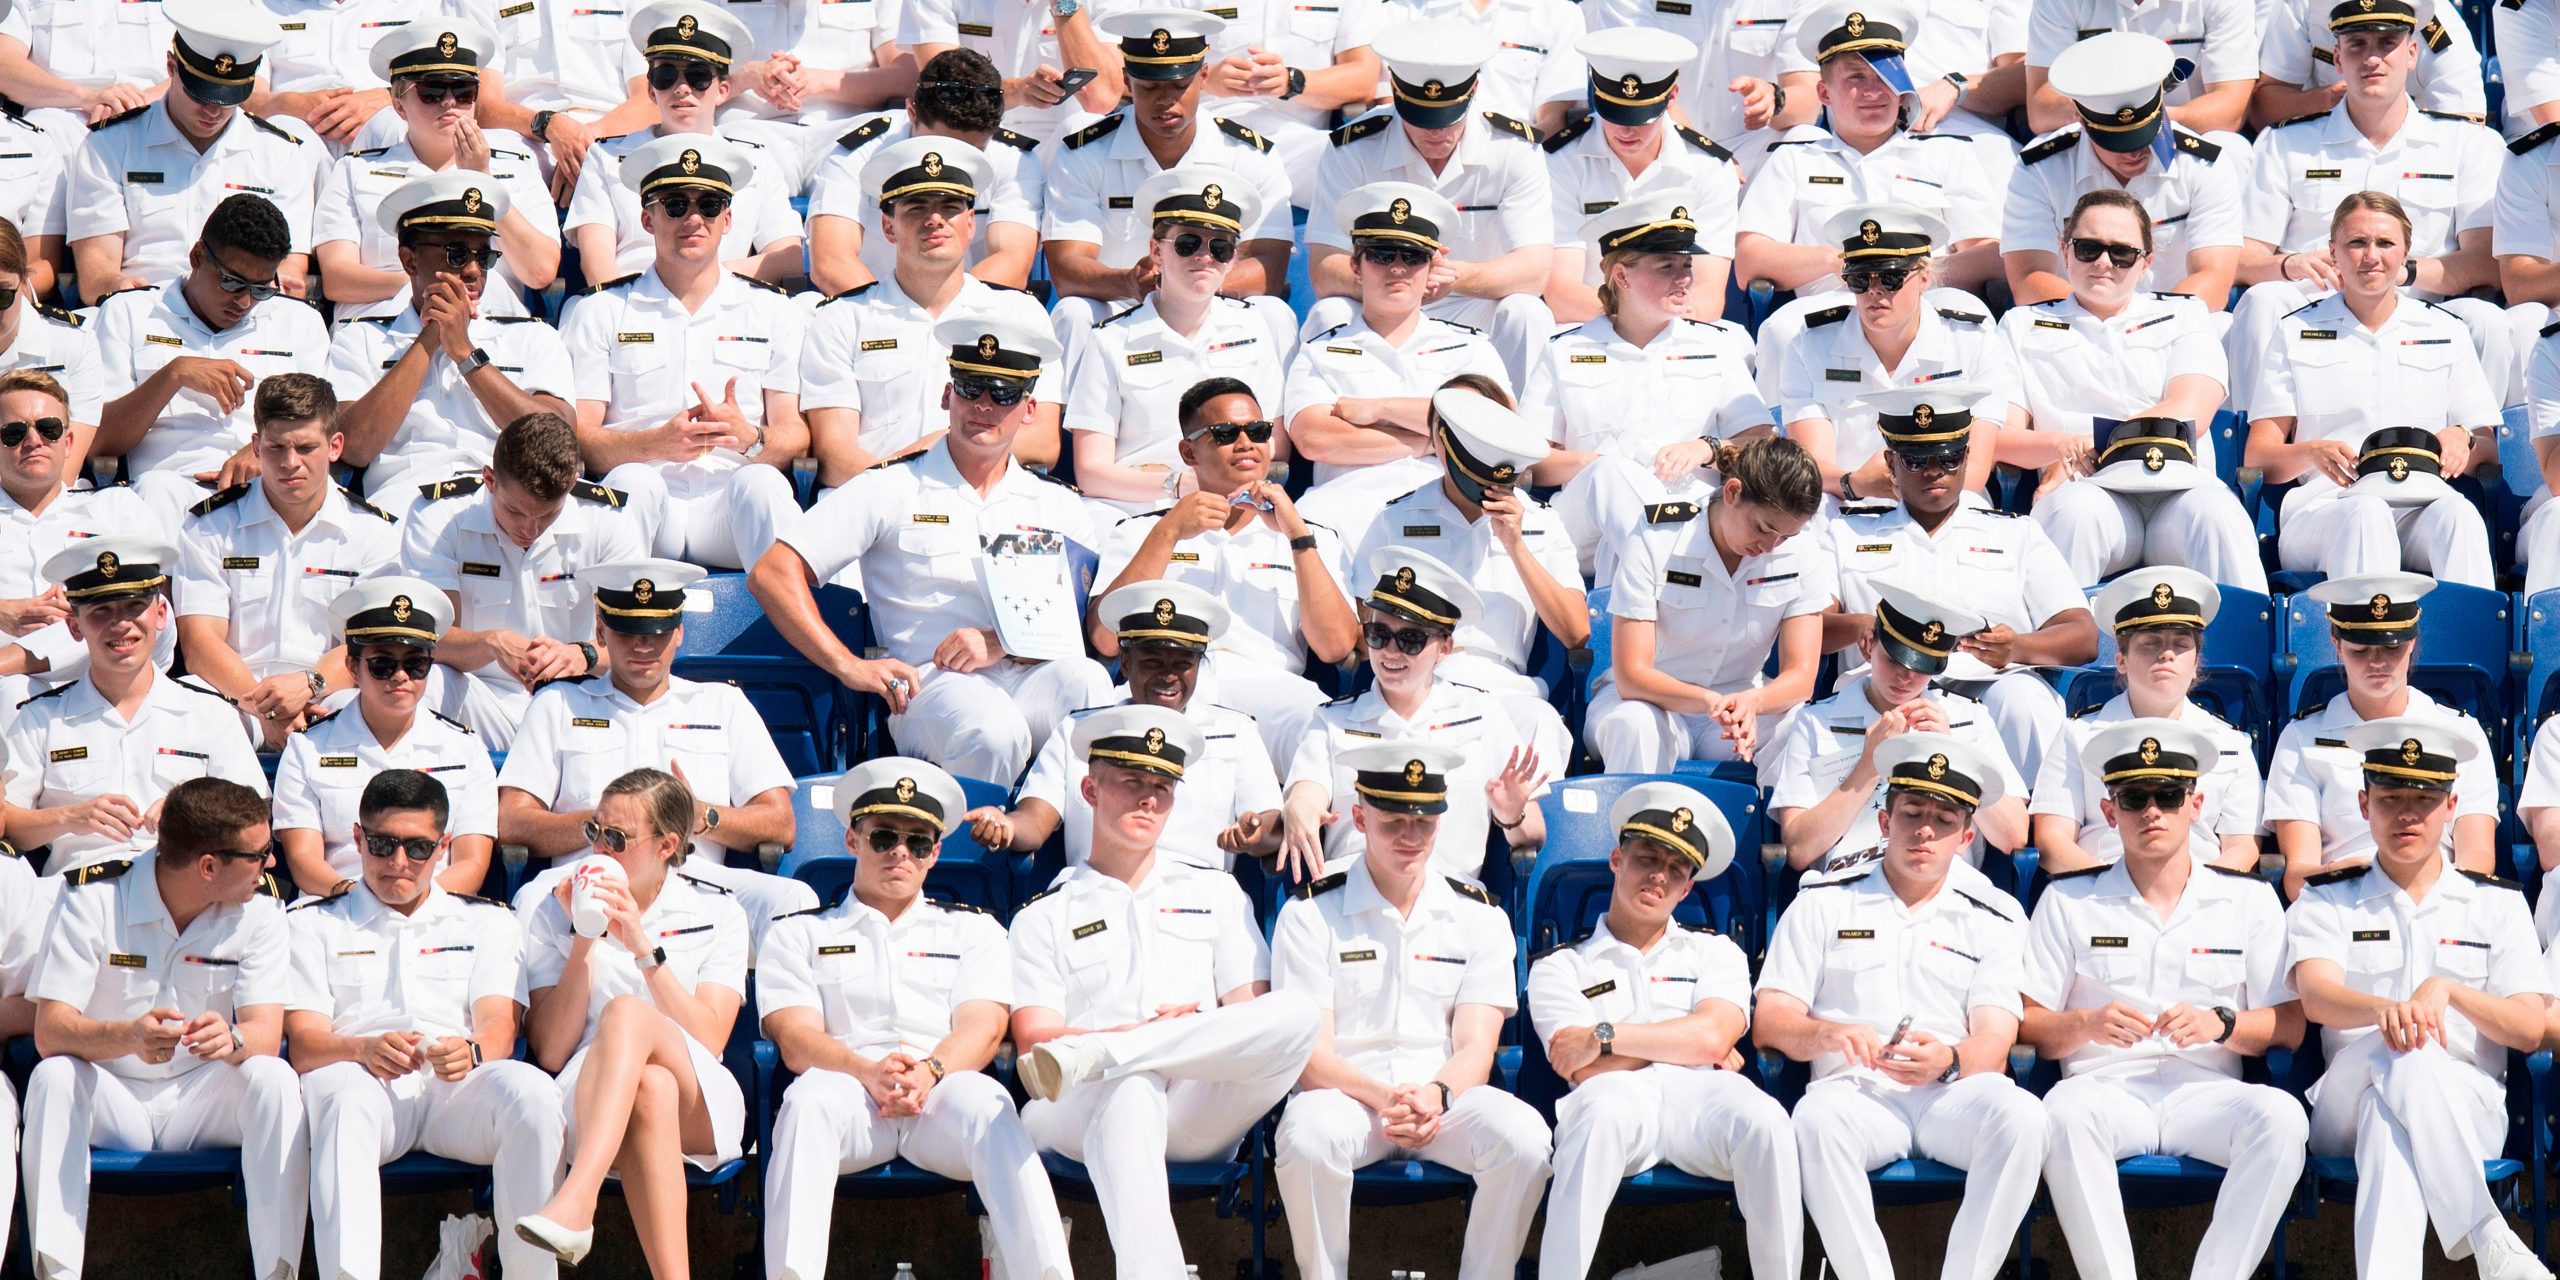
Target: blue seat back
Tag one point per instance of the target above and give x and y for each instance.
(1569, 886)
(810, 717)
(2235, 679)
(2464, 634)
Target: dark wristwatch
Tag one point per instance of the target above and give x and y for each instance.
(541, 127)
(1607, 1035)
(1777, 99)
(710, 818)
(475, 1053)
(2409, 272)
(1297, 84)
(2230, 1023)
(1957, 79)
(475, 362)
(1303, 542)
(592, 656)
(1444, 1095)
(657, 956)
(1955, 1068)
(934, 1065)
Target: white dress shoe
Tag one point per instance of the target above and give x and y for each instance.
(569, 1246)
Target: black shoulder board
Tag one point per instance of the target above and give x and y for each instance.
(459, 487)
(1508, 125)
(307, 901)
(97, 871)
(2233, 871)
(1975, 901)
(272, 127)
(2197, 147)
(1059, 481)
(1558, 141)
(1036, 897)
(59, 690)
(804, 911)
(2494, 882)
(2437, 39)
(854, 292)
(2525, 142)
(2341, 873)
(451, 721)
(1358, 129)
(1243, 135)
(8, 850)
(593, 492)
(2310, 711)
(2451, 115)
(1467, 890)
(1707, 929)
(191, 686)
(361, 505)
(1567, 945)
(700, 883)
(139, 288)
(271, 887)
(1828, 315)
(1701, 141)
(2050, 147)
(220, 500)
(2301, 119)
(2090, 710)
(385, 321)
(1462, 328)
(1670, 512)
(1966, 317)
(864, 132)
(947, 905)
(1130, 310)
(1321, 884)
(1867, 508)
(478, 901)
(120, 117)
(767, 285)
(2551, 328)
(2081, 874)
(52, 312)
(315, 722)
(1018, 142)
(614, 283)
(371, 151)
(502, 151)
(1098, 129)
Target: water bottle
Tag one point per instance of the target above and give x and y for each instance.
(906, 1271)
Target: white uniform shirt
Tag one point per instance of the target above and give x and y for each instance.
(327, 43)
(1506, 625)
(636, 349)
(1094, 175)
(1497, 180)
(455, 543)
(30, 177)
(2094, 941)
(2295, 47)
(1831, 366)
(884, 986)
(239, 563)
(1013, 192)
(446, 417)
(1713, 628)
(369, 969)
(1394, 982)
(1996, 565)
(1533, 56)
(760, 214)
(917, 530)
(1819, 744)
(1811, 174)
(871, 350)
(1461, 717)
(62, 344)
(68, 745)
(321, 778)
(2338, 380)
(28, 539)
(2315, 777)
(1352, 359)
(2233, 794)
(1585, 178)
(1133, 368)
(2528, 201)
(1251, 571)
(1100, 952)
(580, 735)
(2075, 366)
(2444, 171)
(1019, 38)
(136, 175)
(698, 923)
(2194, 201)
(351, 194)
(1597, 392)
(114, 954)
(561, 56)
(1754, 38)
(2471, 929)
(1309, 37)
(142, 330)
(26, 914)
(1598, 978)
(1232, 779)
(2219, 36)
(1853, 952)
(98, 42)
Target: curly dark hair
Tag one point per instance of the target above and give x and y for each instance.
(959, 90)
(249, 224)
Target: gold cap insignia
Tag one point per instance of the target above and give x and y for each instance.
(1680, 820)
(986, 346)
(1870, 231)
(1630, 86)
(2161, 595)
(686, 26)
(2124, 113)
(1503, 474)
(1856, 25)
(222, 64)
(2381, 605)
(690, 161)
(933, 164)
(2399, 468)
(1413, 772)
(1923, 415)
(1937, 766)
(1404, 579)
(2153, 459)
(1400, 210)
(643, 590)
(447, 43)
(2150, 752)
(400, 608)
(1161, 40)
(1211, 194)
(1679, 213)
(2365, 6)
(1931, 630)
(2410, 750)
(1164, 613)
(471, 199)
(1433, 89)
(109, 565)
(1155, 742)
(905, 790)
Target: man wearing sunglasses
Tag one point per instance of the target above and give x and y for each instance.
(2150, 980)
(689, 374)
(142, 183)
(915, 530)
(1229, 802)
(959, 97)
(871, 378)
(403, 1024)
(91, 760)
(434, 71)
(159, 1009)
(2423, 978)
(1501, 254)
(44, 515)
(889, 1006)
(690, 47)
(389, 628)
(579, 735)
(1096, 233)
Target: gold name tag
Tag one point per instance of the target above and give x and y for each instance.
(1594, 993)
(881, 344)
(126, 960)
(162, 339)
(589, 722)
(1679, 579)
(69, 753)
(476, 569)
(1088, 930)
(1591, 360)
(846, 950)
(1146, 357)
(1855, 935)
(927, 517)
(2113, 944)
(1355, 957)
(516, 10)
(337, 762)
(635, 337)
(239, 562)
(2370, 935)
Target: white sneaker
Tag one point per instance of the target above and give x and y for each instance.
(2501, 1256)
(1053, 1065)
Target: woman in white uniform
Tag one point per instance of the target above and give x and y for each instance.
(630, 1021)
(1889, 337)
(1699, 603)
(1124, 399)
(2138, 364)
(1636, 397)
(2359, 361)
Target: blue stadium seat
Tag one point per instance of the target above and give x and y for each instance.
(811, 717)
(2520, 476)
(2236, 680)
(2464, 639)
(2538, 622)
(966, 872)
(1569, 886)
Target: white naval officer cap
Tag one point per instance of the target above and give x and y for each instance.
(899, 786)
(1155, 739)
(116, 564)
(1405, 775)
(1162, 43)
(1417, 587)
(1942, 766)
(2117, 80)
(434, 48)
(691, 29)
(1007, 336)
(392, 610)
(218, 46)
(1662, 222)
(1203, 195)
(1918, 631)
(1884, 235)
(1679, 819)
(644, 597)
(1161, 611)
(451, 200)
(1483, 443)
(2150, 749)
(926, 166)
(2374, 608)
(705, 161)
(1633, 70)
(1432, 65)
(2158, 596)
(1399, 212)
(1877, 30)
(2413, 752)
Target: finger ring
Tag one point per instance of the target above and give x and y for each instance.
(898, 683)
(273, 714)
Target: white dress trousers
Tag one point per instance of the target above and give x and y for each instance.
(1326, 1136)
(2419, 1124)
(2254, 1131)
(1983, 1124)
(507, 1115)
(1715, 1124)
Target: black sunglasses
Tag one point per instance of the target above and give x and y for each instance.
(2122, 255)
(696, 76)
(435, 93)
(246, 855)
(1005, 393)
(458, 256)
(1933, 464)
(2137, 799)
(415, 848)
(1396, 255)
(8, 296)
(383, 666)
(1410, 641)
(614, 839)
(1188, 245)
(1223, 434)
(1891, 278)
(240, 284)
(13, 434)
(919, 845)
(712, 205)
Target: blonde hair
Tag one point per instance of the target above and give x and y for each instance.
(664, 798)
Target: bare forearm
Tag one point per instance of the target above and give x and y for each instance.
(544, 833)
(1521, 270)
(373, 419)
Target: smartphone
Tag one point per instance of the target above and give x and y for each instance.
(1076, 79)
(1900, 1030)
